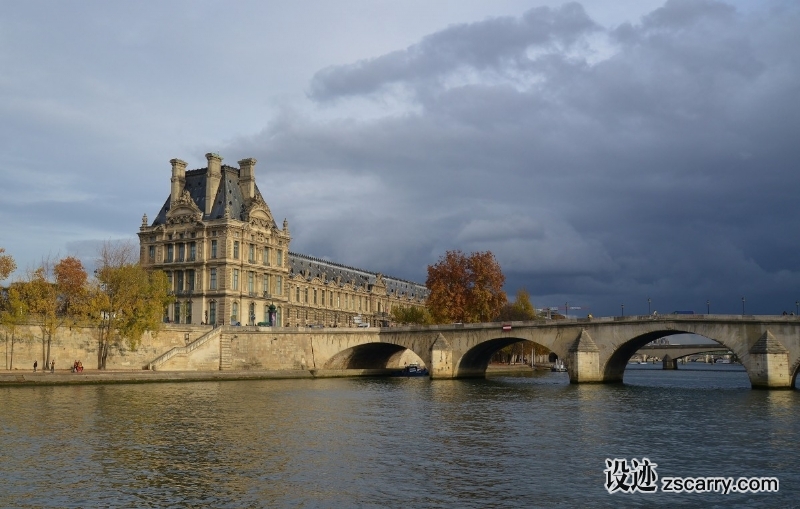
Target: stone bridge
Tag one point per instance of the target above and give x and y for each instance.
(594, 350)
(678, 351)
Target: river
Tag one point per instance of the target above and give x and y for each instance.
(506, 441)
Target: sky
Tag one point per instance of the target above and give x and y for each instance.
(606, 151)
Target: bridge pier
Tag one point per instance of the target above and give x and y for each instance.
(583, 362)
(768, 364)
(669, 363)
(441, 366)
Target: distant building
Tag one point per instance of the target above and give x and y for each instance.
(229, 262)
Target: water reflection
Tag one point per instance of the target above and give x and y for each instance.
(500, 442)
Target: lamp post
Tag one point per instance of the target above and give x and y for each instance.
(622, 306)
(742, 306)
(648, 305)
(797, 307)
(708, 307)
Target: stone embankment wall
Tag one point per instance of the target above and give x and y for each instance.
(80, 343)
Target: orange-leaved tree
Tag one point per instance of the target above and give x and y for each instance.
(465, 288)
(127, 299)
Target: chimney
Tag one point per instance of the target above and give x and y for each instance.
(178, 179)
(213, 176)
(247, 177)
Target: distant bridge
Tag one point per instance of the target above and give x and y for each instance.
(679, 351)
(594, 350)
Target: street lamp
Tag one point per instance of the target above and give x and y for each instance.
(797, 307)
(742, 306)
(623, 309)
(708, 307)
(648, 305)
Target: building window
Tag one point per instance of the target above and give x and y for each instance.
(212, 285)
(266, 256)
(188, 314)
(297, 294)
(214, 248)
(278, 285)
(330, 298)
(252, 254)
(177, 312)
(234, 312)
(266, 313)
(212, 312)
(266, 283)
(190, 280)
(279, 261)
(236, 249)
(252, 314)
(235, 279)
(306, 294)
(152, 253)
(179, 281)
(315, 295)
(181, 252)
(192, 251)
(251, 282)
(170, 252)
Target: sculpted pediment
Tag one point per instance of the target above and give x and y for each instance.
(258, 214)
(184, 210)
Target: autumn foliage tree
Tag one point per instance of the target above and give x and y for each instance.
(55, 296)
(7, 264)
(127, 300)
(519, 310)
(410, 315)
(465, 288)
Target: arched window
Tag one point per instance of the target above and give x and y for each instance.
(234, 312)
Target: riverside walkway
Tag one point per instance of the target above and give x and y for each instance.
(96, 376)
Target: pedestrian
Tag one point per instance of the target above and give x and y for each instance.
(53, 366)
(35, 363)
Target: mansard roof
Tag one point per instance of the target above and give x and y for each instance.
(312, 267)
(228, 194)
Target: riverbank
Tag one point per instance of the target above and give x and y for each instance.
(89, 377)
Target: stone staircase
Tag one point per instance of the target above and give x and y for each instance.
(225, 355)
(184, 351)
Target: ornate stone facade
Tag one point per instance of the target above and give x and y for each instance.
(229, 262)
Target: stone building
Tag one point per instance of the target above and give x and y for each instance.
(229, 262)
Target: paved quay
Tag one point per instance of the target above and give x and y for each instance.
(94, 376)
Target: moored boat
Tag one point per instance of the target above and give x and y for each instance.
(558, 366)
(412, 370)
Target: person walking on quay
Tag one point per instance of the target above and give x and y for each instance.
(53, 366)
(35, 363)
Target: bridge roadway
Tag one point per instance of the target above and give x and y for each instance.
(594, 350)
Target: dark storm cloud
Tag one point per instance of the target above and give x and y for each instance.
(601, 165)
(498, 44)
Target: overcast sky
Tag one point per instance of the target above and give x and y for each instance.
(604, 151)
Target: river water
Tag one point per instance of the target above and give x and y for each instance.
(506, 441)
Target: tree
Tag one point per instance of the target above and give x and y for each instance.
(410, 314)
(55, 296)
(7, 264)
(126, 300)
(13, 313)
(520, 310)
(465, 288)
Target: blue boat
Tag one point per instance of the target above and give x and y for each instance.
(412, 370)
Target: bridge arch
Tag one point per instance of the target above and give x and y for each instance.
(617, 362)
(371, 356)
(475, 361)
